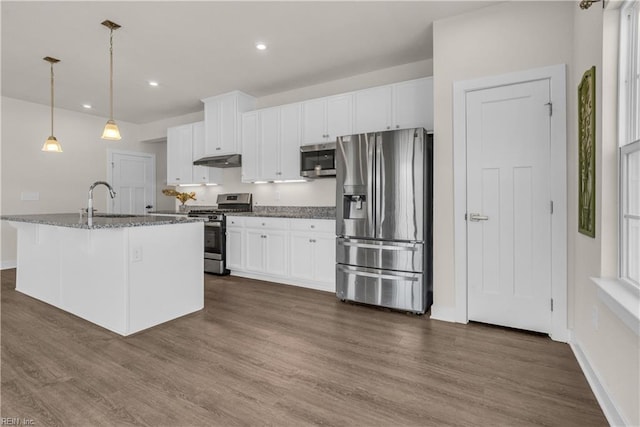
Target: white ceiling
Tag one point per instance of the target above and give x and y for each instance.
(200, 49)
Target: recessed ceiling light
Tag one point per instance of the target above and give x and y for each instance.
(261, 46)
(152, 83)
(87, 106)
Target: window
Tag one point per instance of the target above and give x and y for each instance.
(630, 143)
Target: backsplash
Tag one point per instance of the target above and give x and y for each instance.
(320, 192)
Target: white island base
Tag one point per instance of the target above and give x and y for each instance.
(124, 279)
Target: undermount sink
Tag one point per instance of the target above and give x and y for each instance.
(107, 215)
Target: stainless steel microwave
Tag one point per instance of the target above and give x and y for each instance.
(318, 161)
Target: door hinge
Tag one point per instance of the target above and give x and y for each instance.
(551, 304)
(113, 165)
(550, 105)
(465, 216)
(551, 207)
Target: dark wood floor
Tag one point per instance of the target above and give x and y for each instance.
(269, 354)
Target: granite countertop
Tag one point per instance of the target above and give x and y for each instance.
(303, 212)
(167, 212)
(73, 220)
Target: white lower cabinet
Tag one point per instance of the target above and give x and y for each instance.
(267, 252)
(297, 252)
(235, 237)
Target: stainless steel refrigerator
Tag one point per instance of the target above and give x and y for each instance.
(384, 204)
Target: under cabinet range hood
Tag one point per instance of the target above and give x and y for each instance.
(228, 161)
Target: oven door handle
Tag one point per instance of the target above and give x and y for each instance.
(214, 224)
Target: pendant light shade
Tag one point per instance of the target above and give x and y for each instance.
(111, 131)
(51, 144)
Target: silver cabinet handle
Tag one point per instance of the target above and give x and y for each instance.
(397, 126)
(313, 226)
(218, 148)
(475, 217)
(388, 127)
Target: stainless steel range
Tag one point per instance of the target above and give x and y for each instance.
(215, 228)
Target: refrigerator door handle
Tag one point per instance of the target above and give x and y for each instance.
(371, 217)
(377, 275)
(385, 247)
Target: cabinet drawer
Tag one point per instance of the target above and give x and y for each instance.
(267, 222)
(235, 221)
(319, 225)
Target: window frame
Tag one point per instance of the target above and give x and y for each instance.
(624, 214)
(629, 123)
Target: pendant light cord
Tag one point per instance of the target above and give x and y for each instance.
(52, 99)
(111, 75)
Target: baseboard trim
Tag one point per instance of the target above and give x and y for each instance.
(286, 281)
(610, 409)
(6, 264)
(445, 314)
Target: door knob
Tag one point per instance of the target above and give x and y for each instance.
(475, 217)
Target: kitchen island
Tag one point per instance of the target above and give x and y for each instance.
(124, 273)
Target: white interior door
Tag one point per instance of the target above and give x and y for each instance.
(509, 205)
(133, 179)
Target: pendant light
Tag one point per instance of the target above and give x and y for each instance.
(111, 130)
(51, 144)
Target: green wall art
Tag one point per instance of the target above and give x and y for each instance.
(587, 153)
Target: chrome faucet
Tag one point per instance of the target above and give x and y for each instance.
(90, 203)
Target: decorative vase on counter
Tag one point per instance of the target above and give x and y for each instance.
(183, 208)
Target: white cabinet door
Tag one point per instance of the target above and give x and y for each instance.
(228, 125)
(324, 258)
(222, 118)
(302, 262)
(268, 144)
(254, 253)
(234, 248)
(314, 121)
(339, 116)
(179, 155)
(276, 253)
(413, 104)
(290, 133)
(200, 173)
(372, 109)
(212, 119)
(250, 159)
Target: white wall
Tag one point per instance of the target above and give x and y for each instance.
(511, 36)
(413, 70)
(515, 36)
(611, 349)
(61, 179)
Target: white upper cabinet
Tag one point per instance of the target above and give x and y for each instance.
(398, 106)
(179, 155)
(203, 174)
(250, 155)
(290, 135)
(413, 104)
(222, 118)
(372, 109)
(270, 144)
(324, 119)
(339, 116)
(184, 145)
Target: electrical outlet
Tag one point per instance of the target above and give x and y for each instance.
(136, 254)
(594, 317)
